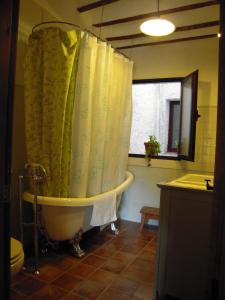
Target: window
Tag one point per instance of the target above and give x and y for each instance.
(174, 125)
(166, 108)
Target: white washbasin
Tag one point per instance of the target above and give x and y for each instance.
(194, 181)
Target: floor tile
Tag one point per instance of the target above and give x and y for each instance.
(144, 292)
(147, 235)
(146, 254)
(124, 256)
(100, 240)
(122, 224)
(154, 242)
(118, 243)
(102, 276)
(67, 281)
(128, 235)
(65, 263)
(152, 245)
(73, 296)
(105, 251)
(132, 249)
(139, 275)
(114, 268)
(141, 243)
(114, 265)
(48, 258)
(141, 264)
(29, 286)
(112, 294)
(14, 295)
(82, 270)
(113, 245)
(89, 247)
(94, 260)
(48, 273)
(49, 292)
(18, 278)
(106, 235)
(125, 285)
(89, 289)
(132, 226)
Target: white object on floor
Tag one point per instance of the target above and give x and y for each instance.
(104, 210)
(16, 256)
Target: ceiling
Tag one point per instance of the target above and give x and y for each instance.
(36, 11)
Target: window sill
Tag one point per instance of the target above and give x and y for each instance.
(168, 156)
(162, 163)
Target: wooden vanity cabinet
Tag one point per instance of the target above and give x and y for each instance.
(185, 244)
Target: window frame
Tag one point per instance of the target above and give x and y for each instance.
(193, 115)
(157, 80)
(172, 104)
(190, 156)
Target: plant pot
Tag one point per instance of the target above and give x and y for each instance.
(150, 149)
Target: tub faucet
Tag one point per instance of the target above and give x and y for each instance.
(208, 186)
(37, 172)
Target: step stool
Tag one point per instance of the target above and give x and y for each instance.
(148, 213)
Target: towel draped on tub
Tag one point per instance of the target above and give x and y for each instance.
(104, 210)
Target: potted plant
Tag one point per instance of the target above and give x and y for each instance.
(152, 148)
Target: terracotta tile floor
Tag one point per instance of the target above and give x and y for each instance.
(114, 268)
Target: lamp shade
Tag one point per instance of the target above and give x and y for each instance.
(157, 27)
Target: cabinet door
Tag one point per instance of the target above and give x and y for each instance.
(184, 264)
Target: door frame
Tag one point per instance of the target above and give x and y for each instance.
(220, 166)
(9, 12)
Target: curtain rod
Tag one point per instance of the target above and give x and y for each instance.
(79, 28)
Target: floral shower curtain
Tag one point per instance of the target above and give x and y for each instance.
(49, 87)
(78, 111)
(101, 119)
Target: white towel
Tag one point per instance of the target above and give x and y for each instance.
(104, 210)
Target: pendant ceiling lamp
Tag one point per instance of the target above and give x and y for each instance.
(158, 26)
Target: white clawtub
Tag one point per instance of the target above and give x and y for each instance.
(62, 218)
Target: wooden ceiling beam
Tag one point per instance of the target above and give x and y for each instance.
(178, 29)
(156, 13)
(94, 5)
(200, 37)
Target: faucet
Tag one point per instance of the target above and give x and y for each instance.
(208, 186)
(37, 172)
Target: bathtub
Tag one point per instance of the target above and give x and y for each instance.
(63, 218)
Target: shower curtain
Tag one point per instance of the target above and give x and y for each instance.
(49, 85)
(78, 111)
(101, 119)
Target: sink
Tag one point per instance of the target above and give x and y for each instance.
(194, 181)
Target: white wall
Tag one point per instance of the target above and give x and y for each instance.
(175, 60)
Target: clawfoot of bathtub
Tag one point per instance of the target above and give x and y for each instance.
(75, 242)
(113, 229)
(54, 245)
(46, 242)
